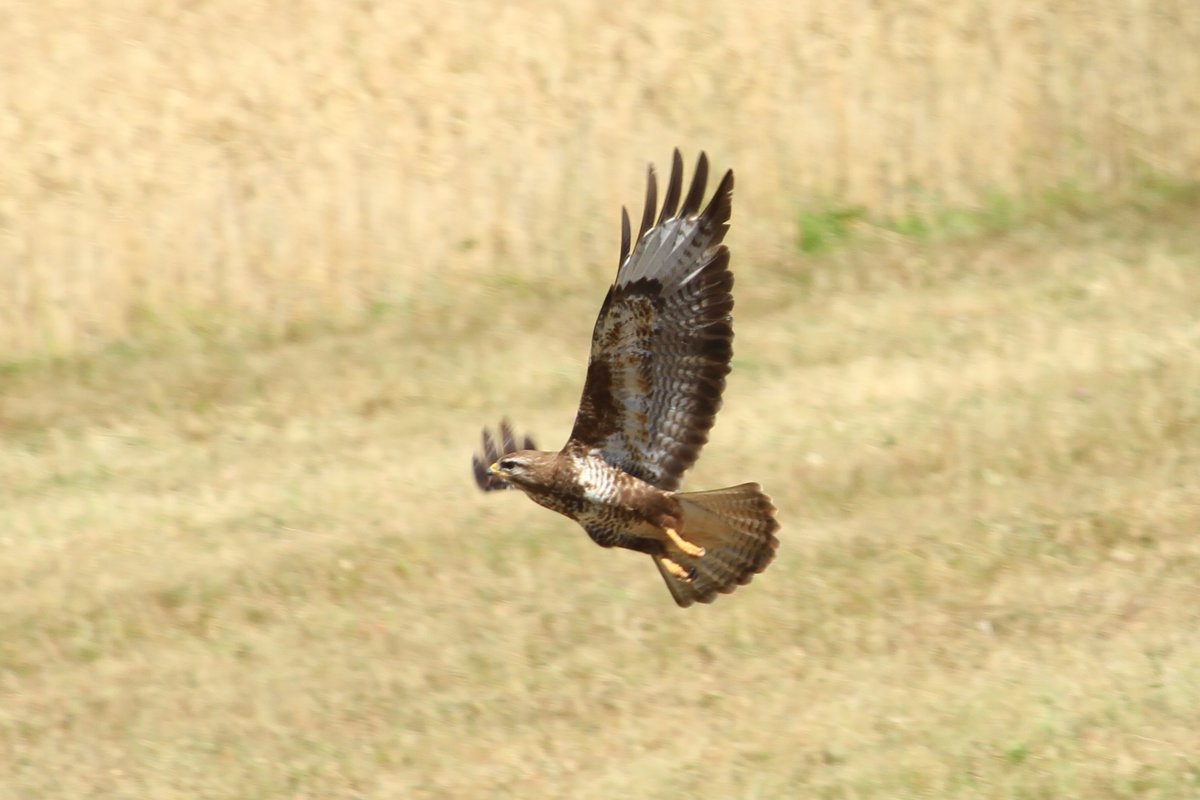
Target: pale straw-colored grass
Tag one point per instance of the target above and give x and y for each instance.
(255, 566)
(222, 162)
(262, 570)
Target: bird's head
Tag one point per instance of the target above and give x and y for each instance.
(522, 468)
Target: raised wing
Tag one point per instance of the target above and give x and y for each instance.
(662, 343)
(495, 448)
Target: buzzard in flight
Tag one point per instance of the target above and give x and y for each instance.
(660, 353)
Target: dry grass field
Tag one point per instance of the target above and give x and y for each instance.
(174, 164)
(263, 570)
(265, 272)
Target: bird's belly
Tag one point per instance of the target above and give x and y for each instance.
(614, 499)
(617, 517)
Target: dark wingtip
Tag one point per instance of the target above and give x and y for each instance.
(720, 207)
(494, 448)
(674, 188)
(695, 195)
(482, 478)
(479, 465)
(651, 203)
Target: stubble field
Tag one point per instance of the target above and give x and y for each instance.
(241, 554)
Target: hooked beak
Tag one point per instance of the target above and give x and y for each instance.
(494, 469)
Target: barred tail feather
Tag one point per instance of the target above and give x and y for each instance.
(736, 527)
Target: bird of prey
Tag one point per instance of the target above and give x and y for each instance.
(660, 353)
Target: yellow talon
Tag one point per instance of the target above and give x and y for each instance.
(674, 568)
(687, 547)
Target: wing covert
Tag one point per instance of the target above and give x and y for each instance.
(663, 339)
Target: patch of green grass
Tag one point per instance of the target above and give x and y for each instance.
(998, 213)
(823, 231)
(820, 231)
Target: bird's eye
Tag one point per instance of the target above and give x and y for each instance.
(507, 463)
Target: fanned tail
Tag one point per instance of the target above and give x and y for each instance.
(736, 527)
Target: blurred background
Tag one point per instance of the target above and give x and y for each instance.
(266, 269)
(317, 160)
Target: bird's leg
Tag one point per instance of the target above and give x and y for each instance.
(687, 547)
(674, 568)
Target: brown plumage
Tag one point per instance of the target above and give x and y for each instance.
(660, 353)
